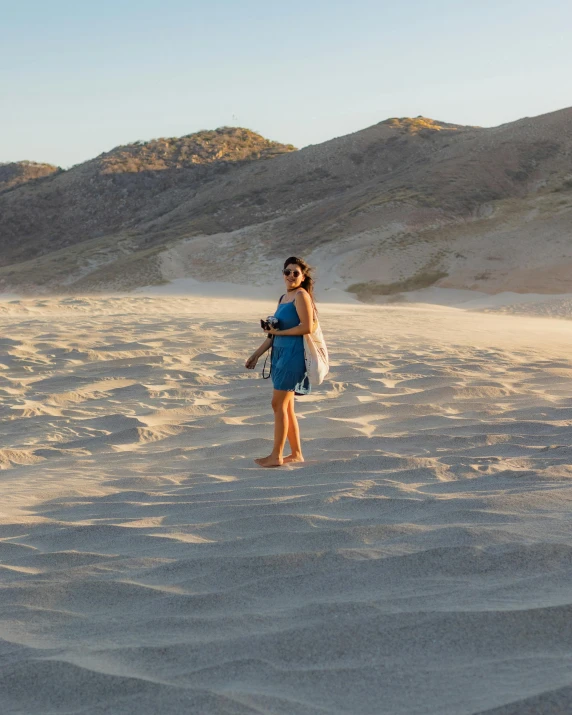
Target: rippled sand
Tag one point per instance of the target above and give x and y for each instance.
(420, 561)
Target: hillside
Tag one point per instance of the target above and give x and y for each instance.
(405, 203)
(121, 189)
(16, 173)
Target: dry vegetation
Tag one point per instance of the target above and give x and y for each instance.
(414, 125)
(16, 173)
(226, 144)
(367, 292)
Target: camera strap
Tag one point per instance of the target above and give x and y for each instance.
(269, 353)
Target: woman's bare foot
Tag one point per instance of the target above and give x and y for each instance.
(293, 458)
(269, 461)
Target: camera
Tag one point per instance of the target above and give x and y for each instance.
(270, 322)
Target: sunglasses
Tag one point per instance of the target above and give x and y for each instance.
(295, 274)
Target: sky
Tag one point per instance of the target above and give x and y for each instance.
(79, 78)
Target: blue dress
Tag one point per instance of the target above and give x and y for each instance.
(288, 364)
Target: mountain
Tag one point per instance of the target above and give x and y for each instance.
(405, 203)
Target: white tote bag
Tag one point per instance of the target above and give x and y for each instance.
(316, 355)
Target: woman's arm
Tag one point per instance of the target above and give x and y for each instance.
(253, 359)
(305, 310)
(263, 348)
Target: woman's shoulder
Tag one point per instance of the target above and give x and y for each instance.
(302, 294)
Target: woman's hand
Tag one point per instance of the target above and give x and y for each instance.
(267, 329)
(250, 364)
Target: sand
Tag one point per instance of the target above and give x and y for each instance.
(419, 561)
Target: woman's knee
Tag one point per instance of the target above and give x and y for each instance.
(280, 403)
(280, 407)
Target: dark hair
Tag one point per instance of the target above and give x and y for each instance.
(308, 282)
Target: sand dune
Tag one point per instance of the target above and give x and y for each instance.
(419, 561)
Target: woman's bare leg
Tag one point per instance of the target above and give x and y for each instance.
(280, 400)
(293, 436)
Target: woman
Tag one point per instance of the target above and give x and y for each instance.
(295, 314)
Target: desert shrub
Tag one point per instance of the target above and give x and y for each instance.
(422, 279)
(566, 185)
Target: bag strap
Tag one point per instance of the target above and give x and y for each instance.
(315, 310)
(315, 315)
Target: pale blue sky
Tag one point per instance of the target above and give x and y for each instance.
(78, 78)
